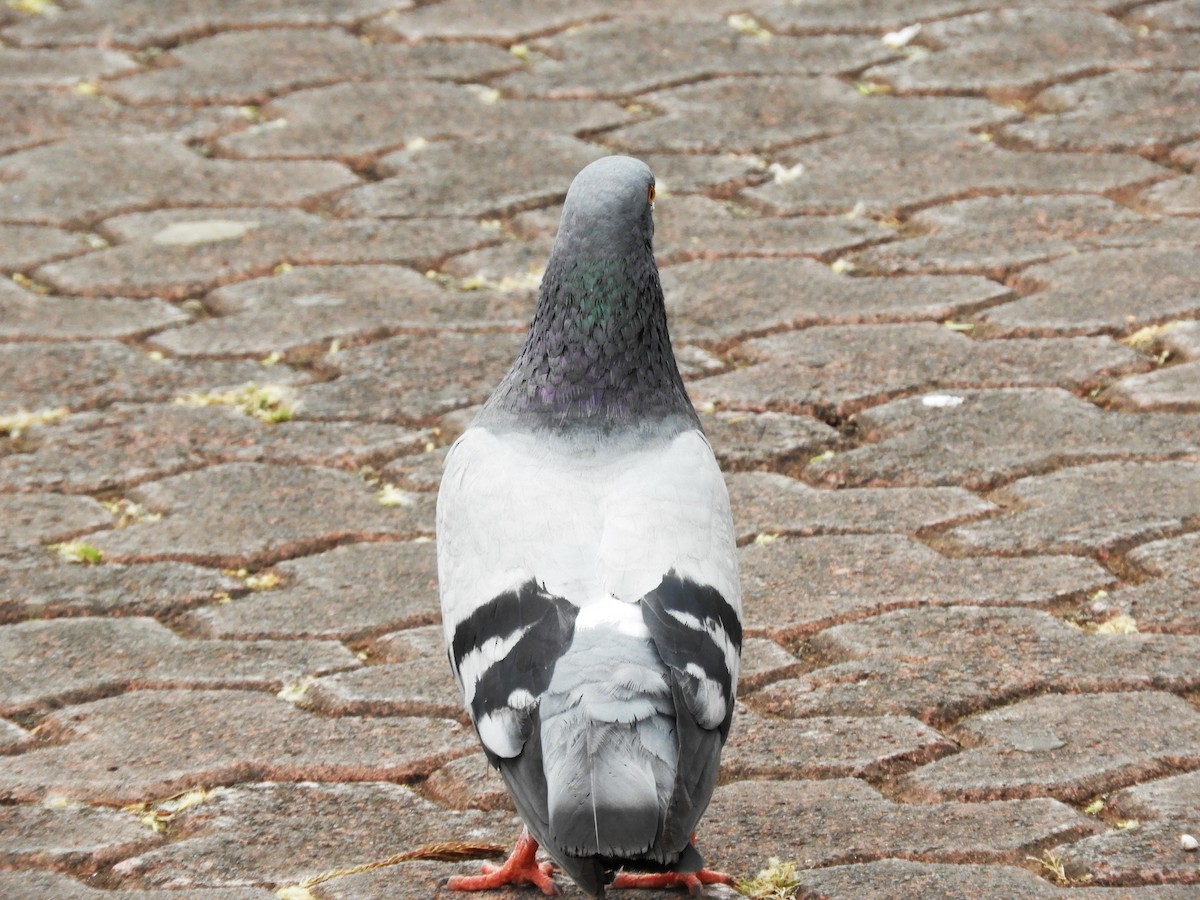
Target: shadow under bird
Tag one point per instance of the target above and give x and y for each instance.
(588, 570)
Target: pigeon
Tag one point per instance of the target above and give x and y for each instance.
(588, 570)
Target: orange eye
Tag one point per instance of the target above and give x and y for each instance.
(650, 194)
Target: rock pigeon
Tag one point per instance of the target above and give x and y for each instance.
(587, 567)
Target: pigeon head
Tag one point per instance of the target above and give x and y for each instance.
(598, 356)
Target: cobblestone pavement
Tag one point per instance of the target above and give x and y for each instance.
(933, 277)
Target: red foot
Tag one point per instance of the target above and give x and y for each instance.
(693, 881)
(521, 867)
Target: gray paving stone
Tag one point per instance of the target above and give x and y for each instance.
(1070, 511)
(769, 503)
(1173, 556)
(885, 171)
(899, 663)
(842, 820)
(1149, 853)
(840, 369)
(862, 15)
(75, 182)
(1177, 197)
(1182, 14)
(353, 121)
(1167, 605)
(500, 20)
(76, 838)
(1143, 111)
(477, 177)
(346, 593)
(798, 586)
(250, 514)
(764, 661)
(188, 739)
(32, 885)
(228, 67)
(717, 301)
(13, 738)
(982, 438)
(770, 111)
(1174, 388)
(468, 783)
(25, 315)
(25, 246)
(34, 519)
(769, 440)
(62, 67)
(181, 253)
(1072, 747)
(391, 689)
(1175, 797)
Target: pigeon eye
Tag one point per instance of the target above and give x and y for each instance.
(650, 194)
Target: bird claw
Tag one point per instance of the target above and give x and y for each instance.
(521, 867)
(693, 881)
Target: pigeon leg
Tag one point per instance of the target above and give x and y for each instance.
(521, 867)
(693, 881)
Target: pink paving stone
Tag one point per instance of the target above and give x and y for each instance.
(25, 246)
(1174, 388)
(1173, 556)
(993, 235)
(87, 374)
(1141, 111)
(901, 663)
(182, 252)
(354, 121)
(75, 182)
(827, 747)
(1175, 798)
(140, 23)
(886, 171)
(716, 301)
(249, 514)
(980, 439)
(840, 369)
(407, 378)
(346, 593)
(227, 67)
(768, 111)
(1170, 604)
(1072, 747)
(797, 586)
(56, 67)
(1070, 511)
(477, 177)
(1178, 197)
(25, 315)
(52, 663)
(843, 820)
(621, 57)
(1009, 50)
(468, 783)
(126, 444)
(188, 739)
(33, 519)
(77, 838)
(764, 661)
(774, 441)
(43, 588)
(281, 834)
(765, 502)
(32, 885)
(312, 305)
(688, 227)
(1148, 854)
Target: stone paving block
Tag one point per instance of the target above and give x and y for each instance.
(76, 181)
(52, 663)
(44, 588)
(797, 586)
(468, 783)
(1149, 853)
(477, 177)
(842, 820)
(764, 661)
(992, 235)
(25, 246)
(62, 67)
(1072, 747)
(504, 21)
(142, 23)
(188, 739)
(279, 834)
(1173, 556)
(25, 315)
(1107, 291)
(827, 747)
(1009, 50)
(1170, 604)
(900, 663)
(81, 375)
(775, 441)
(13, 738)
(721, 300)
(32, 885)
(1140, 111)
(839, 369)
(1182, 14)
(1176, 797)
(356, 120)
(391, 689)
(862, 15)
(1177, 197)
(1180, 340)
(34, 519)
(180, 253)
(688, 227)
(346, 593)
(1174, 388)
(760, 112)
(76, 838)
(406, 378)
(982, 438)
(1070, 511)
(312, 305)
(127, 444)
(250, 514)
(768, 503)
(620, 57)
(228, 68)
(885, 171)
